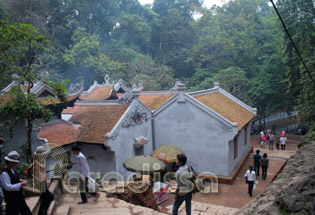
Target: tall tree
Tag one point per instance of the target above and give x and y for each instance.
(299, 16)
(175, 36)
(86, 59)
(19, 45)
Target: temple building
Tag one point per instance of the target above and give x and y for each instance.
(15, 135)
(113, 123)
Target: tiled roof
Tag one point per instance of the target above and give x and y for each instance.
(99, 93)
(226, 108)
(60, 133)
(5, 99)
(70, 110)
(96, 120)
(46, 100)
(153, 101)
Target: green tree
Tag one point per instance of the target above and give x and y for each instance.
(87, 60)
(234, 81)
(174, 37)
(299, 18)
(15, 43)
(19, 44)
(159, 77)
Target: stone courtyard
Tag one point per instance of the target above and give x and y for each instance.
(228, 200)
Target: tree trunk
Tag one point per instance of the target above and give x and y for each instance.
(264, 121)
(30, 85)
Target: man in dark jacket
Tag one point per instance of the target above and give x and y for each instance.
(257, 159)
(12, 187)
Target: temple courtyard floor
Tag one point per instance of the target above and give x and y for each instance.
(227, 200)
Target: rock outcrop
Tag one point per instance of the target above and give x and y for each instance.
(136, 194)
(293, 190)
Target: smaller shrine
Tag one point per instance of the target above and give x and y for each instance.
(113, 123)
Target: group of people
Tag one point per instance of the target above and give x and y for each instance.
(11, 184)
(250, 175)
(15, 201)
(268, 136)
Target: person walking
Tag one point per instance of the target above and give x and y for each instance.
(250, 176)
(83, 168)
(183, 192)
(263, 141)
(12, 186)
(277, 144)
(264, 166)
(261, 134)
(271, 139)
(283, 141)
(257, 159)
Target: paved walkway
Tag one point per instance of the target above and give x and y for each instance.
(235, 196)
(110, 206)
(228, 200)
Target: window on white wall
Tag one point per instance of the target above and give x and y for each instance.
(235, 146)
(245, 135)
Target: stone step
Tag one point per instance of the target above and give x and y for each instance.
(32, 203)
(51, 207)
(108, 211)
(62, 210)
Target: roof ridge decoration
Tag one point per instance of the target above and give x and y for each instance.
(76, 88)
(106, 78)
(203, 92)
(139, 86)
(157, 92)
(127, 98)
(40, 87)
(136, 117)
(85, 93)
(120, 84)
(181, 90)
(8, 88)
(140, 108)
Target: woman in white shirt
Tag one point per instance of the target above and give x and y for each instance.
(250, 176)
(283, 141)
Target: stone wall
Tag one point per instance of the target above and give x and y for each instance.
(293, 190)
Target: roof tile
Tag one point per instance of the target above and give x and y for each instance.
(96, 120)
(99, 93)
(60, 133)
(226, 108)
(153, 101)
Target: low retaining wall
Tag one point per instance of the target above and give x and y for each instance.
(55, 188)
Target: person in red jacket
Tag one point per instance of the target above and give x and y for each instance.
(264, 139)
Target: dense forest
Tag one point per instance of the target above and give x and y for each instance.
(241, 44)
